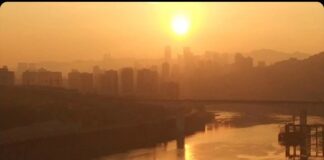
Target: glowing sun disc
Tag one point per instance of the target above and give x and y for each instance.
(180, 24)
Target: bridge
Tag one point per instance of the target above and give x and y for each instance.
(202, 102)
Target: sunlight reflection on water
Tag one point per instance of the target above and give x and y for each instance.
(220, 140)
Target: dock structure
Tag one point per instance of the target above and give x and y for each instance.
(302, 141)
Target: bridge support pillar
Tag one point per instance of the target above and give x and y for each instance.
(180, 123)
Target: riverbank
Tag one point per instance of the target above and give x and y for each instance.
(95, 143)
(44, 123)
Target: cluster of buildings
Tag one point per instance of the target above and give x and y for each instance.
(42, 77)
(7, 78)
(127, 82)
(124, 82)
(149, 81)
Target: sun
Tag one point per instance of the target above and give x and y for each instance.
(180, 24)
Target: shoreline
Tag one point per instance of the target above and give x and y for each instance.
(89, 145)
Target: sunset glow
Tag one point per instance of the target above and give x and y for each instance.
(105, 27)
(180, 24)
(161, 80)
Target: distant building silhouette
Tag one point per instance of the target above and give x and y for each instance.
(97, 72)
(127, 81)
(169, 90)
(189, 59)
(165, 71)
(42, 77)
(21, 68)
(82, 82)
(243, 63)
(175, 72)
(154, 68)
(7, 78)
(109, 83)
(187, 55)
(147, 83)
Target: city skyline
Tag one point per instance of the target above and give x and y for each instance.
(161, 80)
(190, 76)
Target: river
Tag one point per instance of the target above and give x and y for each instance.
(233, 136)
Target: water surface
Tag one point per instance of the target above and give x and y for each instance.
(233, 136)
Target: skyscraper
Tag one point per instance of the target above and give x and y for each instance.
(147, 83)
(97, 72)
(21, 68)
(165, 71)
(83, 82)
(109, 83)
(169, 90)
(7, 77)
(42, 77)
(127, 81)
(175, 72)
(188, 59)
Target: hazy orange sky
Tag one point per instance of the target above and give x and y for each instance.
(63, 31)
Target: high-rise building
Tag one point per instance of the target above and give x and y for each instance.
(83, 82)
(147, 83)
(175, 72)
(109, 83)
(154, 68)
(188, 59)
(21, 68)
(127, 81)
(169, 90)
(7, 78)
(165, 71)
(97, 72)
(42, 77)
